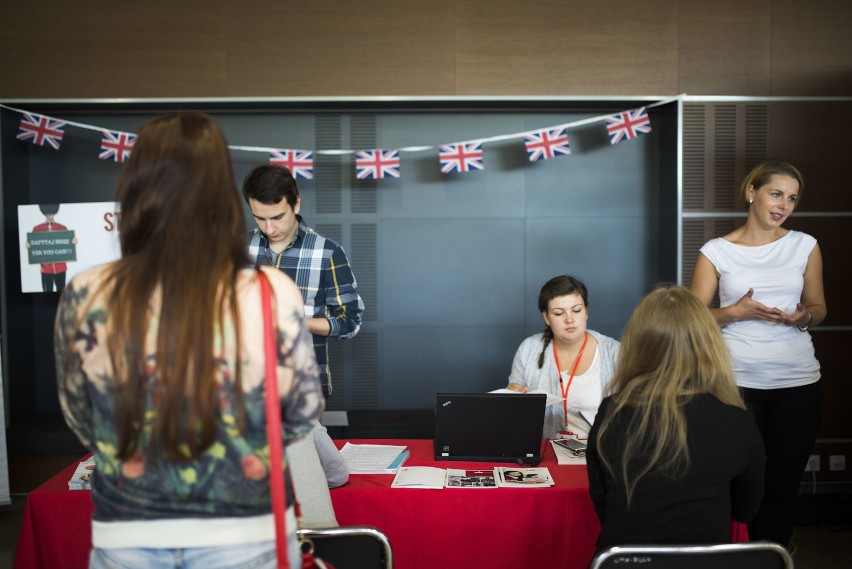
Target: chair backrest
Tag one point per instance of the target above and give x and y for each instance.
(754, 555)
(350, 547)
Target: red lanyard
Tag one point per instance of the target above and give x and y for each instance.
(563, 386)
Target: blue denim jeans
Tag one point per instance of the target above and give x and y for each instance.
(250, 556)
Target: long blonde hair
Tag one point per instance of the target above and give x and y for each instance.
(182, 235)
(671, 350)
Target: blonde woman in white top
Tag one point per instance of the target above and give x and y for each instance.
(769, 280)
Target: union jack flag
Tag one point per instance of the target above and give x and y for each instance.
(547, 143)
(628, 124)
(461, 157)
(41, 130)
(299, 162)
(116, 146)
(376, 164)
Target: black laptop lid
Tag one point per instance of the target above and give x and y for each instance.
(489, 427)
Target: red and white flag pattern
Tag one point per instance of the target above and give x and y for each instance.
(547, 143)
(461, 157)
(299, 162)
(376, 164)
(628, 124)
(116, 146)
(41, 130)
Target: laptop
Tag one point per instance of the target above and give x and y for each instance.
(489, 427)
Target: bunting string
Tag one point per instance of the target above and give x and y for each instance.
(457, 157)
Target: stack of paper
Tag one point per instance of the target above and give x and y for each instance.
(82, 478)
(374, 459)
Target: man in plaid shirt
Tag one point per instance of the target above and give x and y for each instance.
(318, 265)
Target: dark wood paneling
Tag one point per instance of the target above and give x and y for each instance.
(566, 47)
(811, 47)
(832, 351)
(328, 48)
(832, 234)
(219, 48)
(815, 137)
(724, 47)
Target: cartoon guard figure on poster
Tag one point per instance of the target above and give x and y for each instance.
(51, 245)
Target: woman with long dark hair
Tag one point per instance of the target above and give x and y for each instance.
(161, 365)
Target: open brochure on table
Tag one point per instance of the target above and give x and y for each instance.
(511, 477)
(374, 459)
(437, 478)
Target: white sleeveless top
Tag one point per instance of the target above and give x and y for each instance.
(766, 355)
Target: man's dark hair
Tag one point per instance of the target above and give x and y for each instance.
(268, 184)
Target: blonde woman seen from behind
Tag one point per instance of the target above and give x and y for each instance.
(160, 365)
(673, 454)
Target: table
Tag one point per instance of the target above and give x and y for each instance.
(475, 527)
(464, 527)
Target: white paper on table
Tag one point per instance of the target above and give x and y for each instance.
(371, 459)
(551, 399)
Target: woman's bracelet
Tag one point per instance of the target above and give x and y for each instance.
(804, 328)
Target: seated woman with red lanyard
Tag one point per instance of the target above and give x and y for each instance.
(565, 360)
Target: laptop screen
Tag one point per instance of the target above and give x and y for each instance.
(489, 427)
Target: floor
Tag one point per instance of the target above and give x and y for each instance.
(823, 539)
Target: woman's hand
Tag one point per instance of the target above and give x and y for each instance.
(517, 387)
(747, 308)
(800, 317)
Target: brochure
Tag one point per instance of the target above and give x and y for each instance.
(511, 477)
(436, 478)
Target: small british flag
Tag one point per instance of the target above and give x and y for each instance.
(299, 162)
(547, 143)
(628, 124)
(461, 157)
(376, 164)
(41, 130)
(116, 146)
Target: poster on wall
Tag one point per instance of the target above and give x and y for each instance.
(57, 241)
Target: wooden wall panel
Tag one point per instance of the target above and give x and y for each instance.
(811, 47)
(87, 49)
(724, 48)
(282, 48)
(560, 47)
(815, 138)
(329, 48)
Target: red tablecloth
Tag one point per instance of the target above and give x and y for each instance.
(503, 527)
(475, 527)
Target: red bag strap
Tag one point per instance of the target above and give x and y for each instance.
(273, 422)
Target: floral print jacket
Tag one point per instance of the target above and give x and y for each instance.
(229, 479)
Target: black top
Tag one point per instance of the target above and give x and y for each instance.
(724, 481)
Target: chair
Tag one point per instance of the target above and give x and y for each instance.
(350, 547)
(754, 555)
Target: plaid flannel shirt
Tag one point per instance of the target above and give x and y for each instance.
(321, 271)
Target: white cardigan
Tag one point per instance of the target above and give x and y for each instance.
(525, 371)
